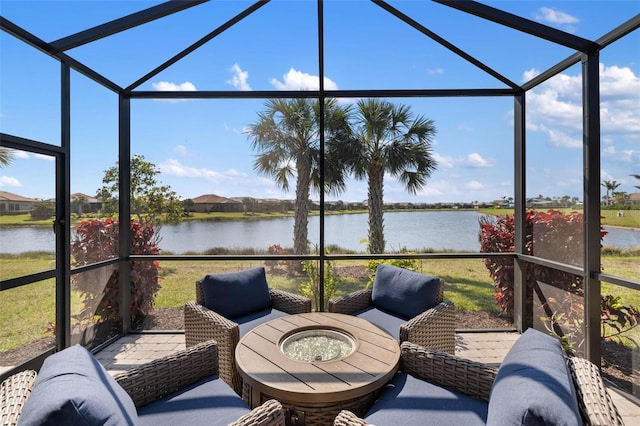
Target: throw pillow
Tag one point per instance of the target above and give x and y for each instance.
(72, 388)
(403, 292)
(533, 385)
(237, 294)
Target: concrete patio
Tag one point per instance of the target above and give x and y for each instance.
(137, 349)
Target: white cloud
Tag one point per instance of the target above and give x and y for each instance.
(298, 80)
(44, 157)
(435, 71)
(555, 16)
(474, 185)
(465, 128)
(555, 108)
(560, 138)
(558, 18)
(16, 153)
(9, 181)
(529, 74)
(473, 160)
(227, 183)
(167, 86)
(239, 79)
(447, 162)
(476, 160)
(175, 168)
(630, 156)
(181, 150)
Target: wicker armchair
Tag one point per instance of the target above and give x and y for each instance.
(476, 379)
(433, 328)
(202, 324)
(147, 383)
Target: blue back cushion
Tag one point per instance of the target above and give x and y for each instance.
(72, 388)
(402, 292)
(533, 385)
(237, 294)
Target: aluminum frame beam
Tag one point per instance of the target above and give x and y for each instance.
(122, 24)
(617, 33)
(522, 24)
(409, 21)
(24, 35)
(222, 28)
(296, 94)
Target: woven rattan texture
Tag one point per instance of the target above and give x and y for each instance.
(594, 401)
(152, 381)
(347, 418)
(325, 415)
(14, 392)
(462, 375)
(434, 328)
(202, 324)
(271, 413)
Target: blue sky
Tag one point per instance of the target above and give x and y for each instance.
(200, 145)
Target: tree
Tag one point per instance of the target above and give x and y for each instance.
(151, 202)
(610, 185)
(387, 138)
(188, 206)
(6, 156)
(79, 203)
(637, 177)
(287, 137)
(43, 210)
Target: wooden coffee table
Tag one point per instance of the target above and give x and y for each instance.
(314, 392)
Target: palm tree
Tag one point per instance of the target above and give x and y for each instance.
(287, 135)
(6, 156)
(637, 177)
(387, 138)
(611, 186)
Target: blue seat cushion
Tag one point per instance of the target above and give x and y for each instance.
(249, 322)
(72, 388)
(236, 294)
(389, 323)
(207, 402)
(407, 401)
(533, 385)
(403, 292)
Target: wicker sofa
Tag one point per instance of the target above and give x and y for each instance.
(438, 388)
(182, 388)
(398, 301)
(202, 323)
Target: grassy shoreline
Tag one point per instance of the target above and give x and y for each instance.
(631, 218)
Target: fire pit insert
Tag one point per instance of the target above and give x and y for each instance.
(317, 345)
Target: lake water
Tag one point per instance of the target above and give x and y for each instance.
(437, 230)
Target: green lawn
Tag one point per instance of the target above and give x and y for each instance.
(25, 312)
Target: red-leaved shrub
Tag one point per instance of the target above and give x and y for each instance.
(97, 240)
(550, 235)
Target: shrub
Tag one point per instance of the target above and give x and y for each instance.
(279, 266)
(43, 210)
(311, 288)
(557, 237)
(554, 236)
(97, 241)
